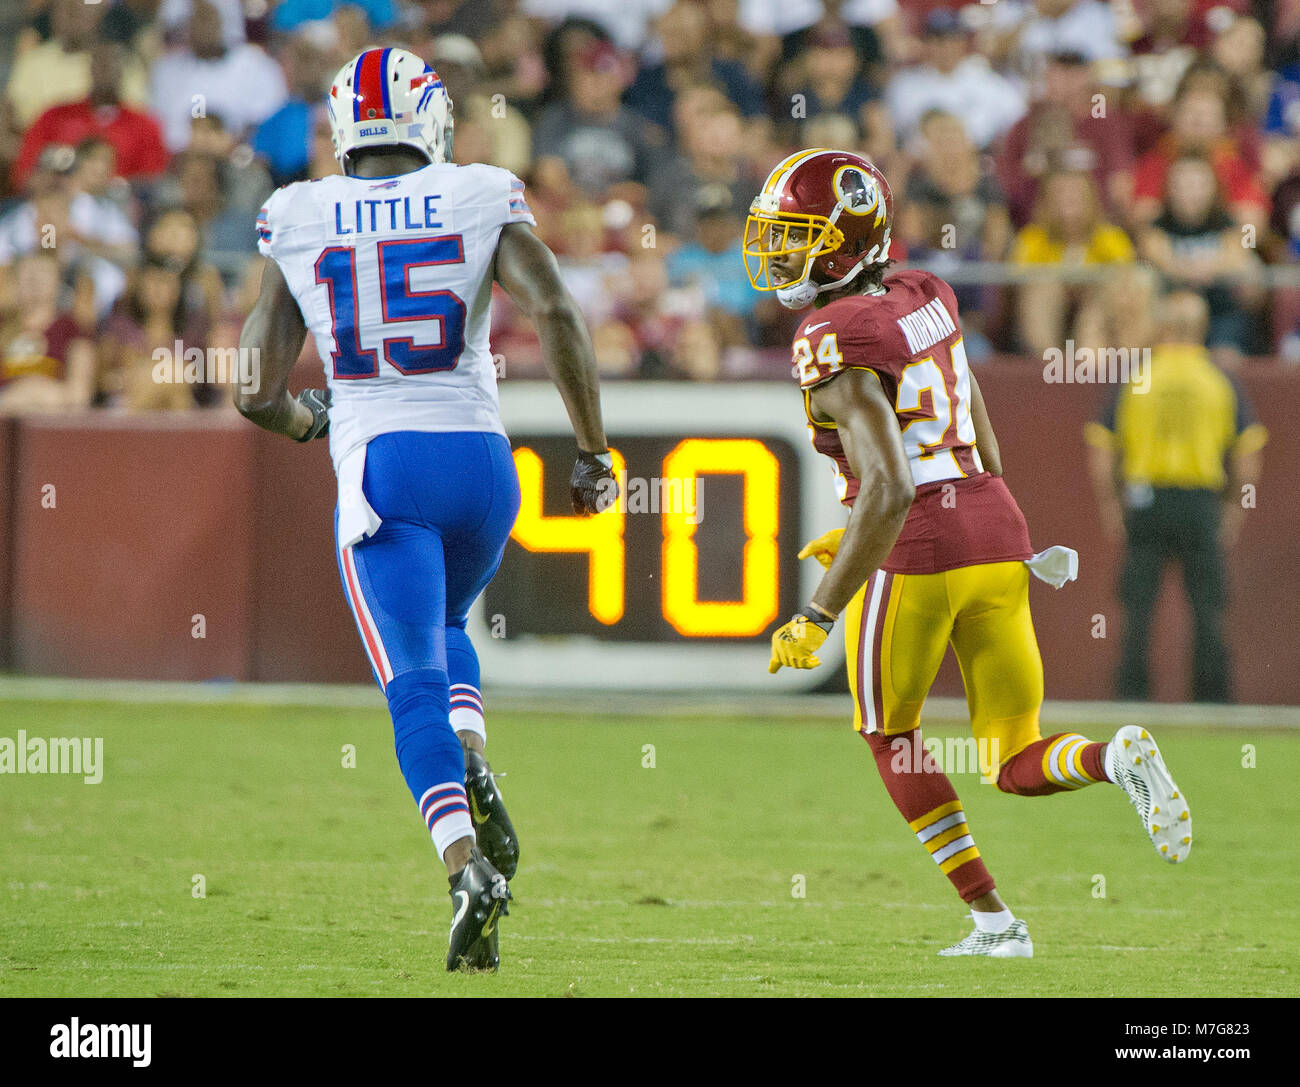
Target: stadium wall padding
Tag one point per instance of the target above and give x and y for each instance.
(158, 520)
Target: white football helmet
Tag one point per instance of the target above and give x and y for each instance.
(386, 98)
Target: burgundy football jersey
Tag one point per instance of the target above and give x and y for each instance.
(910, 338)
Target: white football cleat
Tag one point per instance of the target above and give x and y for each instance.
(1013, 942)
(1141, 772)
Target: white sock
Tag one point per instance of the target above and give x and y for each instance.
(467, 710)
(1108, 763)
(992, 922)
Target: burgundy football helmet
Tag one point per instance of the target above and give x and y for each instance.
(827, 214)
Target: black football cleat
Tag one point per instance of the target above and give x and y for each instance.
(492, 826)
(478, 901)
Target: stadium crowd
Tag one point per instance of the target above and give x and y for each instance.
(1058, 160)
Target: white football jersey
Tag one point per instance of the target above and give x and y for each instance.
(394, 280)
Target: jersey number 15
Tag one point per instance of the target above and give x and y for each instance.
(336, 269)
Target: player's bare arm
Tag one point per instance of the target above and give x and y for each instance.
(985, 440)
(868, 429)
(527, 269)
(276, 332)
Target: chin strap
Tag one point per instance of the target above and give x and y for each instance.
(802, 294)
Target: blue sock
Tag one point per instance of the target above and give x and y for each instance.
(429, 753)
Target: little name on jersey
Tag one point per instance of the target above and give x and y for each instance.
(371, 216)
(926, 326)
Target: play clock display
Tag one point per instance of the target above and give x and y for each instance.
(680, 584)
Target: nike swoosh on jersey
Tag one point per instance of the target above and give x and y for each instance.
(813, 328)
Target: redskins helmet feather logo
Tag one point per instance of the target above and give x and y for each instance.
(858, 193)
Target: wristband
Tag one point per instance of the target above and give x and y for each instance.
(819, 616)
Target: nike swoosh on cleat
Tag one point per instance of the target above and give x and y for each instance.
(460, 910)
(479, 817)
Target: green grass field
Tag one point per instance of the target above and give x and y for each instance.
(675, 880)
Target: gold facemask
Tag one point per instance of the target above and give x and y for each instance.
(769, 236)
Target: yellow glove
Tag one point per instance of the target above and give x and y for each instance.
(823, 548)
(795, 645)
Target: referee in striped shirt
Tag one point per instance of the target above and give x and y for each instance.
(1168, 466)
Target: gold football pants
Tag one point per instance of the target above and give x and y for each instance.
(898, 626)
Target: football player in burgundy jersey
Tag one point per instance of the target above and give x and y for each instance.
(935, 549)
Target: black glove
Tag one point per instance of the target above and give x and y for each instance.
(593, 486)
(317, 401)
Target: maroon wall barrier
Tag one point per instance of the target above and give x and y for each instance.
(148, 530)
(8, 474)
(302, 630)
(160, 519)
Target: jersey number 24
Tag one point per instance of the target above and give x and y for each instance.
(336, 268)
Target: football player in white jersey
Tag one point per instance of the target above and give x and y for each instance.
(390, 267)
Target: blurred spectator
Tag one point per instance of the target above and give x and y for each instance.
(1200, 125)
(709, 264)
(512, 60)
(1284, 219)
(507, 138)
(288, 15)
(1168, 461)
(1239, 50)
(687, 59)
(1037, 29)
(696, 354)
(712, 139)
(586, 268)
(149, 320)
(200, 184)
(59, 70)
(245, 183)
(1195, 244)
(241, 84)
(731, 39)
(1170, 40)
(174, 14)
(599, 142)
(1068, 128)
(91, 240)
(787, 18)
(101, 198)
(652, 312)
(134, 135)
(323, 162)
(627, 21)
(47, 360)
(172, 241)
(954, 211)
(1130, 297)
(1067, 230)
(283, 140)
(953, 79)
(829, 74)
